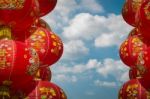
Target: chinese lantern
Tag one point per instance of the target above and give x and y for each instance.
(132, 52)
(17, 64)
(133, 90)
(46, 6)
(43, 74)
(130, 10)
(19, 14)
(47, 44)
(47, 90)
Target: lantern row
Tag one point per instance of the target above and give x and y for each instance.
(135, 50)
(28, 47)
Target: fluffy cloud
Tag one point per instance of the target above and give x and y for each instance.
(106, 31)
(114, 68)
(66, 8)
(106, 68)
(66, 78)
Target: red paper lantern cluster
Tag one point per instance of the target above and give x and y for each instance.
(135, 50)
(28, 47)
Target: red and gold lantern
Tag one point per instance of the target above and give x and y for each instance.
(132, 51)
(18, 64)
(133, 90)
(47, 44)
(130, 10)
(47, 90)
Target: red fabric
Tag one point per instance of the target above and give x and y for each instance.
(47, 44)
(130, 10)
(17, 63)
(131, 50)
(132, 90)
(46, 6)
(144, 19)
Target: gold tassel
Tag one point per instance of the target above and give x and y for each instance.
(5, 33)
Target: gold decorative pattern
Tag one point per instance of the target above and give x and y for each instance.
(146, 10)
(47, 92)
(137, 46)
(5, 32)
(137, 50)
(136, 5)
(38, 40)
(12, 4)
(57, 43)
(5, 54)
(132, 91)
(123, 49)
(33, 61)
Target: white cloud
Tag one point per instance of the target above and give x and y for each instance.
(74, 49)
(65, 78)
(114, 68)
(90, 5)
(79, 68)
(105, 83)
(106, 40)
(64, 8)
(106, 31)
(106, 68)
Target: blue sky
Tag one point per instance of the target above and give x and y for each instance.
(92, 31)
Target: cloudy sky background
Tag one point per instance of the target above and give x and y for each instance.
(92, 31)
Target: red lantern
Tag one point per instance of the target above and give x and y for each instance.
(130, 10)
(133, 90)
(17, 64)
(47, 44)
(18, 14)
(132, 51)
(43, 74)
(46, 90)
(46, 6)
